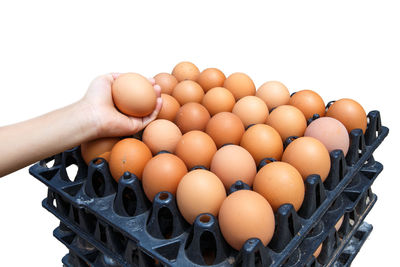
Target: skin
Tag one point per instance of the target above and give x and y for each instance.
(92, 117)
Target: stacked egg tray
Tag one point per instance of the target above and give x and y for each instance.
(123, 228)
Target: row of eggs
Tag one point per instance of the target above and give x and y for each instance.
(226, 126)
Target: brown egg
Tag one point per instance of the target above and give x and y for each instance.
(196, 149)
(169, 109)
(130, 155)
(161, 135)
(166, 81)
(232, 163)
(218, 100)
(240, 85)
(350, 113)
(210, 78)
(262, 141)
(288, 121)
(162, 173)
(309, 102)
(330, 132)
(225, 128)
(185, 71)
(251, 110)
(97, 148)
(280, 183)
(274, 94)
(246, 214)
(192, 116)
(318, 251)
(134, 95)
(308, 156)
(339, 223)
(199, 191)
(188, 91)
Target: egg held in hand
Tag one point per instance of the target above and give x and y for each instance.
(134, 95)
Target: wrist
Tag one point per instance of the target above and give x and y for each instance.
(89, 125)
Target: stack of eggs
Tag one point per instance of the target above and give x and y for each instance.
(213, 131)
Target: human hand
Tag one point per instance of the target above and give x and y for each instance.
(108, 120)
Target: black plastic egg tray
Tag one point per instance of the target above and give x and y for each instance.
(119, 221)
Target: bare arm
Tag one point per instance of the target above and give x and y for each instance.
(94, 116)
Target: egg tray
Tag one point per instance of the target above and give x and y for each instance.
(119, 217)
(354, 204)
(339, 247)
(345, 258)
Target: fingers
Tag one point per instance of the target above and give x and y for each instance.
(157, 88)
(152, 81)
(115, 75)
(153, 116)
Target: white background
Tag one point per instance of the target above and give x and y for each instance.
(50, 51)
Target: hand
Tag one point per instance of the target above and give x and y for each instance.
(108, 120)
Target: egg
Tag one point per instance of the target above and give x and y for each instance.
(318, 251)
(350, 113)
(98, 148)
(162, 173)
(246, 214)
(188, 91)
(308, 156)
(232, 163)
(186, 71)
(169, 108)
(161, 135)
(330, 132)
(192, 116)
(196, 148)
(225, 128)
(218, 100)
(288, 121)
(274, 94)
(210, 78)
(199, 191)
(339, 223)
(262, 141)
(280, 183)
(240, 85)
(130, 155)
(251, 110)
(166, 81)
(134, 95)
(309, 102)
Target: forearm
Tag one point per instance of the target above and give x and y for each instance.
(26, 142)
